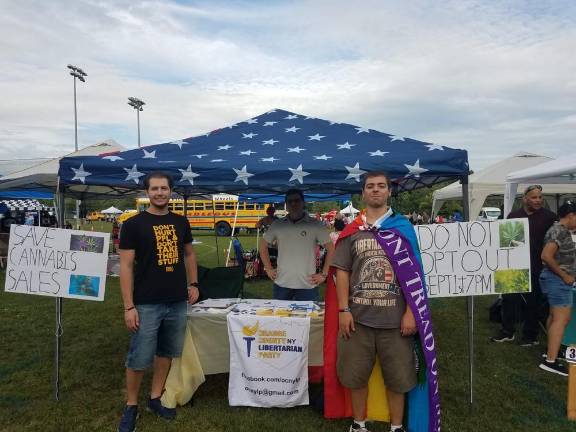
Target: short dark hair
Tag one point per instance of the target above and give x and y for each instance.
(566, 208)
(158, 175)
(373, 174)
(339, 224)
(294, 192)
(531, 188)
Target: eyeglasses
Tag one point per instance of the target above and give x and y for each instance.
(531, 188)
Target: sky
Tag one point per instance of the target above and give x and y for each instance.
(492, 77)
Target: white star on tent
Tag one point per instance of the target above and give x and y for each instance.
(355, 172)
(112, 158)
(149, 155)
(378, 153)
(332, 123)
(225, 147)
(249, 135)
(271, 111)
(346, 145)
(362, 130)
(242, 175)
(396, 138)
(415, 169)
(309, 118)
(233, 126)
(80, 173)
(133, 174)
(200, 156)
(178, 143)
(295, 149)
(252, 121)
(323, 157)
(269, 142)
(434, 147)
(316, 137)
(270, 123)
(292, 129)
(188, 175)
(218, 160)
(248, 152)
(270, 159)
(298, 174)
(291, 117)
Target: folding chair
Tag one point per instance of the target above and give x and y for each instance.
(220, 282)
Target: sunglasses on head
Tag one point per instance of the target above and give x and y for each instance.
(531, 188)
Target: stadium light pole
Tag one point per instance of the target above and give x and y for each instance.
(76, 72)
(137, 105)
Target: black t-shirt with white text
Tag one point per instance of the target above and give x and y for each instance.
(158, 242)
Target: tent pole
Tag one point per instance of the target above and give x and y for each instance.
(215, 233)
(233, 232)
(61, 198)
(469, 299)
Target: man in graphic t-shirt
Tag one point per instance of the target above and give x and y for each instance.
(158, 275)
(374, 319)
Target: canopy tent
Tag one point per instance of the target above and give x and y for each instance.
(43, 177)
(558, 172)
(270, 153)
(490, 181)
(25, 194)
(111, 211)
(349, 210)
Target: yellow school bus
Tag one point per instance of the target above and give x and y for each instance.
(215, 214)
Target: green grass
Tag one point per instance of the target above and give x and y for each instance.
(511, 393)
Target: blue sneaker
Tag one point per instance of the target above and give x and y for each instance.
(155, 406)
(128, 420)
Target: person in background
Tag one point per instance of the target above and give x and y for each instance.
(297, 236)
(539, 221)
(557, 280)
(339, 225)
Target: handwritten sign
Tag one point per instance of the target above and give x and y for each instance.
(475, 258)
(56, 262)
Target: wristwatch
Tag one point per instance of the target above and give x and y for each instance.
(346, 309)
(194, 284)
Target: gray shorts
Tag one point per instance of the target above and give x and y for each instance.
(357, 355)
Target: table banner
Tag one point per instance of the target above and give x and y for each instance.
(57, 262)
(475, 258)
(268, 360)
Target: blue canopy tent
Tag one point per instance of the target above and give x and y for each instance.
(269, 154)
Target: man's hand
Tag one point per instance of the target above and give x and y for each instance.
(346, 322)
(316, 279)
(568, 280)
(408, 323)
(271, 273)
(132, 320)
(193, 294)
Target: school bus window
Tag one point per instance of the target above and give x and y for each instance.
(250, 206)
(208, 206)
(260, 206)
(230, 206)
(219, 206)
(198, 206)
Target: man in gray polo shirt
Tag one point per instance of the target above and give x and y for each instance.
(297, 236)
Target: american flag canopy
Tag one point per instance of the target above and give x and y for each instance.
(269, 154)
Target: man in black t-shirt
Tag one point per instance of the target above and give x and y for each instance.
(529, 305)
(156, 261)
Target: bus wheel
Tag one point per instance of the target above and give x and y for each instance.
(223, 229)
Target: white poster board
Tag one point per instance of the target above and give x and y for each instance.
(57, 262)
(268, 360)
(475, 258)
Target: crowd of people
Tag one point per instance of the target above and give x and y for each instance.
(377, 316)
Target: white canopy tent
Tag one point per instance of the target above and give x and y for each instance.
(349, 210)
(44, 176)
(111, 211)
(550, 174)
(491, 181)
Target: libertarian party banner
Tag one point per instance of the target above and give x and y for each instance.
(268, 360)
(475, 258)
(57, 262)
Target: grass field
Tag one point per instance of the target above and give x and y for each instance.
(511, 393)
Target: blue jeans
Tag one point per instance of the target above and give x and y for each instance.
(558, 293)
(161, 333)
(299, 294)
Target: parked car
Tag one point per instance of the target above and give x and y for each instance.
(489, 214)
